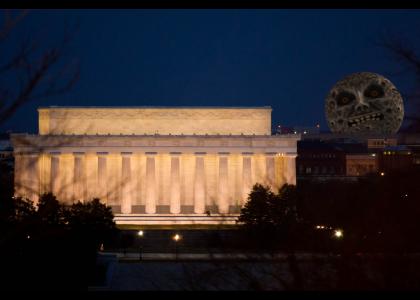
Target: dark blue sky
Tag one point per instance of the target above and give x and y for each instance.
(287, 59)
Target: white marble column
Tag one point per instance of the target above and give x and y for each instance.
(126, 185)
(102, 176)
(270, 168)
(91, 173)
(223, 202)
(32, 178)
(246, 175)
(19, 168)
(55, 174)
(290, 168)
(151, 193)
(44, 172)
(79, 177)
(199, 184)
(175, 192)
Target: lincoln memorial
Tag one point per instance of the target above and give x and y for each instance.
(153, 165)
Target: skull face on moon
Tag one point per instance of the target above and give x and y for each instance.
(365, 103)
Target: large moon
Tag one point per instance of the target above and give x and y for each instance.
(364, 103)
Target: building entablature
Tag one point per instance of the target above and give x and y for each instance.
(282, 145)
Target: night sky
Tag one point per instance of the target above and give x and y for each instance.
(286, 59)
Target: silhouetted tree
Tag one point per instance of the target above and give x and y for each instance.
(270, 217)
(408, 57)
(15, 210)
(90, 224)
(92, 219)
(50, 211)
(255, 214)
(59, 242)
(32, 71)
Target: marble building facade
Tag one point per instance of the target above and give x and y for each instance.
(154, 166)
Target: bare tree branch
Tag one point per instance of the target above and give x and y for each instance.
(406, 54)
(401, 49)
(35, 72)
(10, 22)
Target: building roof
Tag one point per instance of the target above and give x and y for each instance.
(397, 148)
(158, 107)
(317, 145)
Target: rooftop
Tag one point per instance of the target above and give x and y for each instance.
(160, 107)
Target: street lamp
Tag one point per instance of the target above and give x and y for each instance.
(140, 234)
(338, 233)
(176, 238)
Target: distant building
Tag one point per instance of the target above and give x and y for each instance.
(6, 149)
(380, 143)
(396, 157)
(319, 159)
(412, 142)
(302, 130)
(305, 130)
(283, 130)
(326, 160)
(348, 157)
(361, 164)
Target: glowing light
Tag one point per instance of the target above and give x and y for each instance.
(140, 233)
(338, 233)
(28, 237)
(382, 174)
(176, 237)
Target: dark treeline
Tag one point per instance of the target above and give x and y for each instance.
(375, 214)
(51, 246)
(55, 246)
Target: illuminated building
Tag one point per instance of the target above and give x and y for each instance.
(159, 166)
